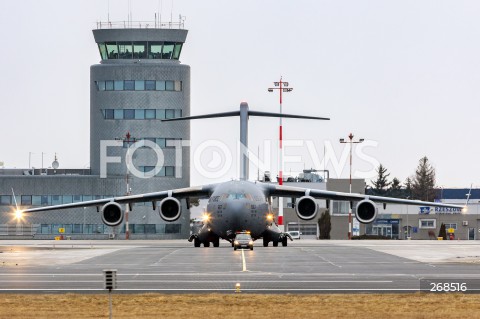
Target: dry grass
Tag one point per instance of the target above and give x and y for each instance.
(243, 306)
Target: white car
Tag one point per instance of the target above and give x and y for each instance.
(295, 234)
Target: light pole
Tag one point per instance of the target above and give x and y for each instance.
(281, 87)
(128, 139)
(351, 142)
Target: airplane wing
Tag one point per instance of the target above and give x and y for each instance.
(289, 191)
(199, 191)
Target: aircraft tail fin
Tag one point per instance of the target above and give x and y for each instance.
(244, 114)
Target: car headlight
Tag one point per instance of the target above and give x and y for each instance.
(250, 242)
(235, 242)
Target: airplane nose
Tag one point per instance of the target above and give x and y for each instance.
(237, 212)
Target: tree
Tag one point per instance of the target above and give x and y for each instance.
(325, 225)
(443, 232)
(395, 189)
(380, 185)
(423, 184)
(408, 187)
(194, 201)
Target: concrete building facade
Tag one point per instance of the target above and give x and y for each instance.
(138, 82)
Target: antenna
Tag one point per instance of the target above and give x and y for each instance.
(171, 14)
(244, 114)
(55, 163)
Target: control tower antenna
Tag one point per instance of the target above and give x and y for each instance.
(160, 7)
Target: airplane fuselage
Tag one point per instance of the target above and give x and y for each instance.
(237, 206)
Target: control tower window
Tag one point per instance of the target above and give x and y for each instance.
(160, 115)
(109, 114)
(170, 85)
(176, 52)
(109, 85)
(112, 50)
(149, 114)
(129, 114)
(118, 85)
(154, 50)
(140, 114)
(178, 86)
(168, 50)
(169, 114)
(103, 51)
(139, 50)
(139, 85)
(125, 50)
(129, 85)
(160, 85)
(117, 114)
(149, 85)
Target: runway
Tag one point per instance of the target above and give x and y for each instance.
(174, 266)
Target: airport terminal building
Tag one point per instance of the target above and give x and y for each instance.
(393, 221)
(138, 82)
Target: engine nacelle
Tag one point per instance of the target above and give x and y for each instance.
(366, 211)
(306, 208)
(170, 209)
(112, 214)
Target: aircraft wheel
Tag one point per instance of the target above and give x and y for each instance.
(275, 243)
(284, 241)
(265, 243)
(196, 242)
(206, 244)
(216, 242)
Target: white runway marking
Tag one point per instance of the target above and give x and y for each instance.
(244, 262)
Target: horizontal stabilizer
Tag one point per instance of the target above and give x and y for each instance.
(292, 116)
(250, 113)
(205, 116)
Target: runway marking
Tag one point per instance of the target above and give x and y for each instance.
(243, 262)
(215, 289)
(207, 281)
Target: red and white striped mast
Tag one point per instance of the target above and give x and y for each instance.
(282, 87)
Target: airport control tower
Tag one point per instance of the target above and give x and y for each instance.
(138, 82)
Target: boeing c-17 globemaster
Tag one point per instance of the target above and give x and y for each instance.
(239, 205)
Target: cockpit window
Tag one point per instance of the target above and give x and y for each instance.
(236, 195)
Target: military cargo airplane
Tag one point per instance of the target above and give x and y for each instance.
(239, 205)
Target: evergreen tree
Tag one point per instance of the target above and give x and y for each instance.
(325, 225)
(408, 188)
(380, 185)
(395, 189)
(423, 184)
(443, 232)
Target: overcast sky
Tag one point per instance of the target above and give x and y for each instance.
(404, 75)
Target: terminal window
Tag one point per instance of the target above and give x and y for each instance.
(427, 223)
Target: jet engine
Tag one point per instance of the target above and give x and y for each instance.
(306, 208)
(112, 214)
(170, 209)
(366, 211)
